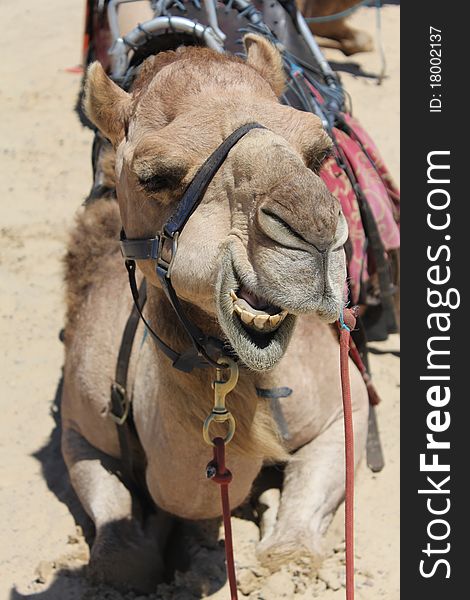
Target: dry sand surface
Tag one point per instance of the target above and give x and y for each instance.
(45, 174)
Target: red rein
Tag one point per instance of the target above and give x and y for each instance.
(218, 472)
(346, 326)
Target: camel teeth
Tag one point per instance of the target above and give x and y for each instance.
(260, 321)
(246, 317)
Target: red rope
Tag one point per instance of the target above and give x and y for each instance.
(345, 327)
(217, 471)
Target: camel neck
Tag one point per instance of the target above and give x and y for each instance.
(184, 400)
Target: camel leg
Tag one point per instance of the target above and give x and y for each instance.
(349, 40)
(312, 491)
(124, 554)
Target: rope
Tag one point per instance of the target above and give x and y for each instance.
(340, 15)
(346, 325)
(217, 471)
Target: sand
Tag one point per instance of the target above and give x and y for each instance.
(44, 176)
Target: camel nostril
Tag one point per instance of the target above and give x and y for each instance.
(281, 231)
(275, 224)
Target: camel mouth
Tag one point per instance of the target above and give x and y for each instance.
(257, 330)
(256, 313)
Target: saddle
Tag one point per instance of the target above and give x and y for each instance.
(355, 173)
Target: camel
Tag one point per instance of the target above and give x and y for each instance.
(267, 240)
(340, 34)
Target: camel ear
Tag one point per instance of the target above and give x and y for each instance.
(106, 104)
(265, 58)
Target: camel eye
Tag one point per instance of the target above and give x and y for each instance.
(319, 159)
(161, 175)
(156, 183)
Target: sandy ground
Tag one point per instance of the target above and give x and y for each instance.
(45, 174)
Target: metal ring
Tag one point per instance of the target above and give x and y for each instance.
(229, 418)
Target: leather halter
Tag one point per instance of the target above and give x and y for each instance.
(205, 350)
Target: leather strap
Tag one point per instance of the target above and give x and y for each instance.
(202, 343)
(132, 454)
(119, 398)
(274, 393)
(139, 249)
(187, 361)
(194, 192)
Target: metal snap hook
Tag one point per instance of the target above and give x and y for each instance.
(219, 413)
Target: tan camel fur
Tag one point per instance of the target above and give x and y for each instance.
(267, 238)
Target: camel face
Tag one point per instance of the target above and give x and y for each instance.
(266, 242)
(283, 255)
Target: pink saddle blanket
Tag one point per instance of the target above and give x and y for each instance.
(376, 187)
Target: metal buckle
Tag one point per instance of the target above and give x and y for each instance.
(118, 393)
(161, 262)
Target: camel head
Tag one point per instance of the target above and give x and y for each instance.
(266, 243)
